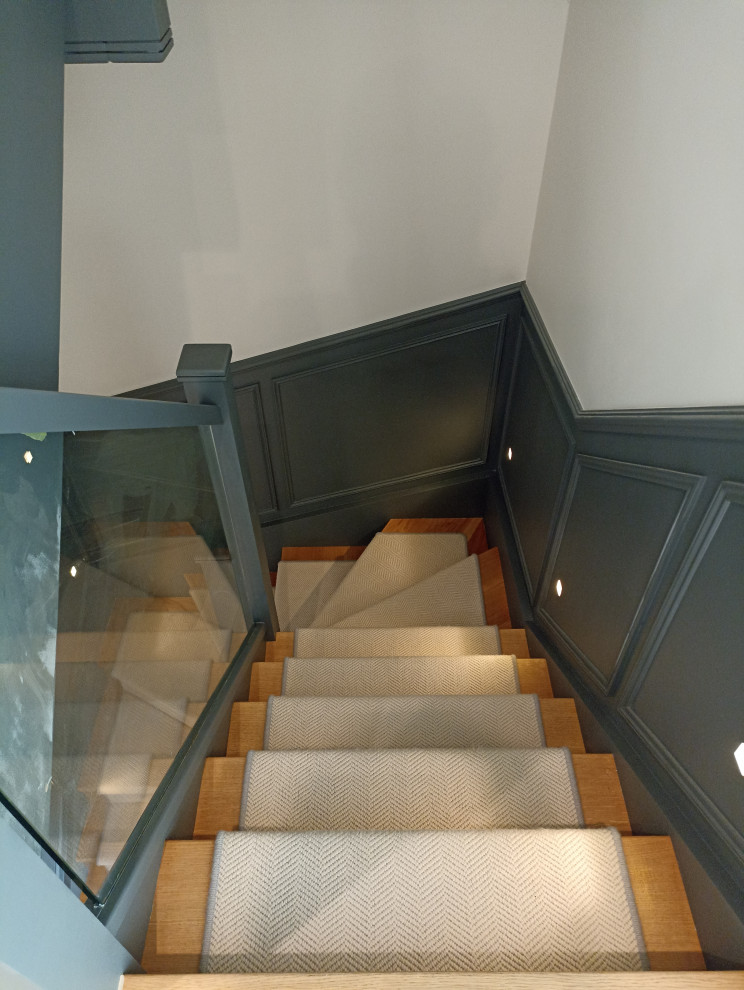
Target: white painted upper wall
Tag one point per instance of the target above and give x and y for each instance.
(637, 261)
(296, 168)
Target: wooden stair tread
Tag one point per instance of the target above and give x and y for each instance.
(470, 526)
(559, 718)
(247, 724)
(561, 724)
(266, 678)
(322, 553)
(731, 980)
(138, 530)
(222, 786)
(534, 677)
(279, 648)
(663, 909)
(489, 561)
(494, 589)
(600, 792)
(174, 938)
(513, 641)
(219, 796)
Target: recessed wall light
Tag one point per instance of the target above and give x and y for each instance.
(739, 757)
(559, 587)
(509, 454)
(28, 457)
(73, 570)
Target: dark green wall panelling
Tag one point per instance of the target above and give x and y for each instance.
(648, 543)
(617, 519)
(404, 413)
(541, 456)
(342, 430)
(253, 426)
(357, 522)
(694, 662)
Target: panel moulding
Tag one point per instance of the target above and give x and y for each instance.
(690, 485)
(280, 383)
(566, 427)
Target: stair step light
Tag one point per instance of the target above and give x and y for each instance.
(739, 757)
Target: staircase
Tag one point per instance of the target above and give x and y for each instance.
(402, 794)
(128, 695)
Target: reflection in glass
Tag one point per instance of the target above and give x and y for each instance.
(146, 620)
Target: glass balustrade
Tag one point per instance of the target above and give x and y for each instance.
(118, 618)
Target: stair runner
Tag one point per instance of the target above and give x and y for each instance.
(410, 789)
(397, 676)
(405, 813)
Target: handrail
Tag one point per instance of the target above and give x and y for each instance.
(28, 410)
(218, 448)
(46, 846)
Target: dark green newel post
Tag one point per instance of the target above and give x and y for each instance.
(204, 372)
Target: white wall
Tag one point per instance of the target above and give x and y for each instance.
(296, 168)
(637, 262)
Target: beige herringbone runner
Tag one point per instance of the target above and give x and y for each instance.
(500, 900)
(304, 586)
(452, 596)
(426, 641)
(448, 722)
(391, 562)
(410, 789)
(391, 676)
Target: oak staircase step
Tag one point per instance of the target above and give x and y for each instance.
(177, 924)
(513, 641)
(268, 678)
(221, 792)
(560, 725)
(441, 981)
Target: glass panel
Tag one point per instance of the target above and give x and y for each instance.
(119, 617)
